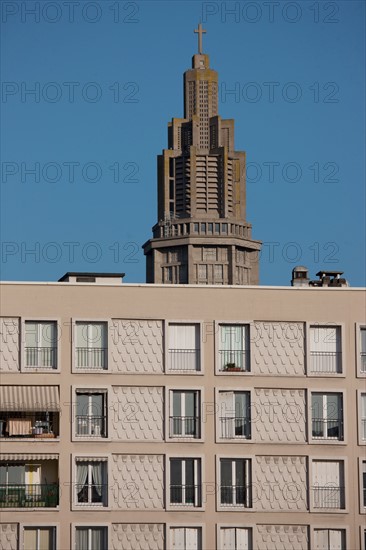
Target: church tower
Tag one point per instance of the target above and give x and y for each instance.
(202, 236)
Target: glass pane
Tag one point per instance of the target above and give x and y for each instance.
(239, 473)
(96, 335)
(47, 334)
(190, 472)
(363, 340)
(16, 473)
(226, 472)
(81, 335)
(176, 472)
(30, 539)
(96, 404)
(190, 403)
(45, 539)
(31, 335)
(3, 475)
(317, 405)
(82, 404)
(81, 539)
(177, 407)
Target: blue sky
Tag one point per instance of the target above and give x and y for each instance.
(78, 180)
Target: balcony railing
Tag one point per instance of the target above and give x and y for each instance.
(91, 358)
(235, 495)
(234, 427)
(41, 357)
(91, 426)
(234, 360)
(325, 362)
(328, 497)
(184, 426)
(29, 496)
(327, 428)
(363, 361)
(184, 360)
(185, 495)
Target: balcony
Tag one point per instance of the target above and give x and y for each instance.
(186, 360)
(91, 358)
(184, 426)
(29, 496)
(41, 357)
(327, 428)
(93, 426)
(186, 495)
(325, 362)
(328, 497)
(235, 495)
(234, 360)
(23, 425)
(232, 427)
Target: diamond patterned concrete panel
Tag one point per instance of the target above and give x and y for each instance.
(8, 536)
(278, 348)
(137, 346)
(137, 536)
(138, 482)
(10, 342)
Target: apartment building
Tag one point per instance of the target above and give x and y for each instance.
(165, 417)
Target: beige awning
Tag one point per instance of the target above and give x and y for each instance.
(91, 459)
(25, 456)
(29, 398)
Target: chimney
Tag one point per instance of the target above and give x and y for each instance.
(300, 276)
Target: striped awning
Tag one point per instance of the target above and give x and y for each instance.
(29, 398)
(91, 459)
(26, 456)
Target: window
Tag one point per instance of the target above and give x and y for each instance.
(234, 411)
(235, 538)
(363, 475)
(328, 484)
(185, 482)
(184, 347)
(235, 484)
(325, 349)
(91, 484)
(363, 349)
(363, 416)
(329, 539)
(91, 413)
(91, 538)
(327, 416)
(91, 345)
(41, 344)
(185, 413)
(234, 348)
(39, 538)
(202, 272)
(185, 538)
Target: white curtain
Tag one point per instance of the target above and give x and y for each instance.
(96, 539)
(97, 477)
(81, 475)
(183, 336)
(325, 338)
(81, 539)
(227, 413)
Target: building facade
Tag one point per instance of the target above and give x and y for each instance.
(202, 236)
(165, 417)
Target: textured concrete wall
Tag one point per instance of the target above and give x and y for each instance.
(138, 482)
(280, 483)
(278, 348)
(282, 537)
(9, 344)
(137, 536)
(137, 413)
(8, 536)
(137, 346)
(278, 416)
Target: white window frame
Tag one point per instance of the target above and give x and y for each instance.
(361, 419)
(199, 462)
(235, 438)
(169, 413)
(328, 527)
(90, 389)
(186, 525)
(95, 525)
(248, 359)
(326, 440)
(248, 465)
(359, 372)
(183, 322)
(106, 459)
(343, 461)
(39, 525)
(23, 361)
(249, 526)
(107, 323)
(326, 324)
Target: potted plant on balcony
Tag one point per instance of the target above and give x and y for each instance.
(231, 367)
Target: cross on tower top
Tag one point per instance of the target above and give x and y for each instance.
(200, 31)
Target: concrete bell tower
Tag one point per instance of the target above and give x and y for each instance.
(202, 236)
